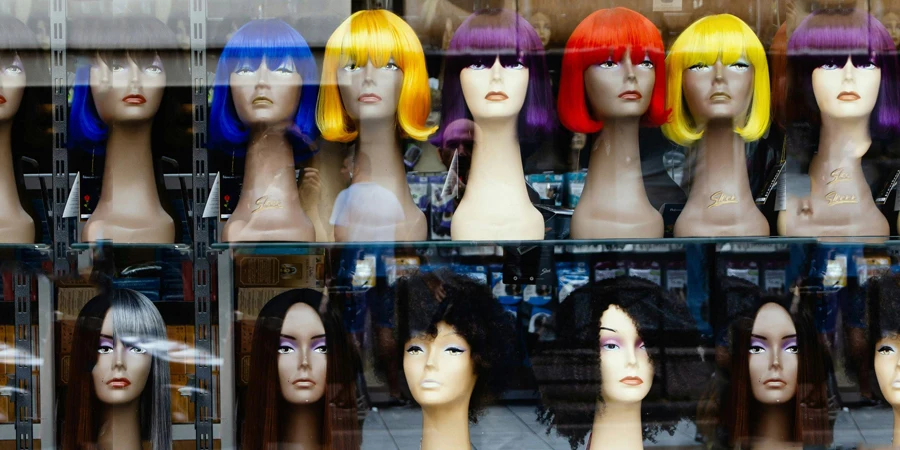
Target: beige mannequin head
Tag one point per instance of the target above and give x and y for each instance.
(887, 368)
(496, 92)
(122, 368)
(302, 356)
(844, 91)
(267, 96)
(773, 359)
(891, 21)
(625, 366)
(719, 92)
(127, 87)
(370, 93)
(542, 25)
(620, 89)
(439, 370)
(12, 85)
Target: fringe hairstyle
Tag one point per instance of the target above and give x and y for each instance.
(607, 34)
(704, 42)
(278, 43)
(340, 426)
(133, 315)
(377, 36)
(483, 37)
(829, 37)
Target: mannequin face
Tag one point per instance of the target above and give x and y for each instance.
(891, 21)
(541, 24)
(773, 356)
(122, 368)
(496, 92)
(625, 366)
(302, 356)
(719, 92)
(620, 89)
(370, 93)
(846, 91)
(12, 85)
(267, 96)
(439, 370)
(887, 368)
(125, 90)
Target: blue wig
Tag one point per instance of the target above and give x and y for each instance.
(276, 41)
(140, 37)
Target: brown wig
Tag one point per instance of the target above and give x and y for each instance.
(133, 315)
(811, 425)
(340, 428)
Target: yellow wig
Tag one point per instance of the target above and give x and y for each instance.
(705, 41)
(377, 36)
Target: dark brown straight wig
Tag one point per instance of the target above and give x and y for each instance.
(340, 426)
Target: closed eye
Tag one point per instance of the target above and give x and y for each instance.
(740, 66)
(284, 70)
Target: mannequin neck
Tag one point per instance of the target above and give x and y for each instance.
(774, 426)
(844, 138)
(721, 164)
(497, 159)
(128, 170)
(269, 166)
(379, 157)
(301, 427)
(896, 438)
(9, 197)
(120, 427)
(617, 426)
(446, 427)
(616, 158)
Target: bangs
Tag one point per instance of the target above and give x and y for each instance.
(608, 34)
(371, 37)
(136, 319)
(272, 40)
(495, 32)
(718, 37)
(15, 36)
(134, 35)
(831, 38)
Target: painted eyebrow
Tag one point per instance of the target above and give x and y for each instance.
(790, 336)
(105, 336)
(759, 337)
(608, 329)
(318, 336)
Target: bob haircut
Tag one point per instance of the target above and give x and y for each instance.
(340, 426)
(279, 44)
(811, 426)
(377, 36)
(829, 37)
(606, 34)
(143, 38)
(568, 369)
(704, 42)
(134, 316)
(883, 295)
(471, 309)
(480, 39)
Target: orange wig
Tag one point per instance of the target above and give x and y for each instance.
(606, 34)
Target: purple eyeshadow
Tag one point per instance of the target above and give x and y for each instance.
(789, 343)
(758, 343)
(106, 342)
(287, 343)
(605, 342)
(316, 343)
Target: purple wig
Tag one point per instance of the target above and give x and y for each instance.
(480, 39)
(829, 37)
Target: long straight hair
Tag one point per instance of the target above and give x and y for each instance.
(133, 315)
(340, 428)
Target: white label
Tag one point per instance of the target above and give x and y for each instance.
(667, 5)
(212, 202)
(71, 209)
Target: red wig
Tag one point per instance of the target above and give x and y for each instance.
(606, 34)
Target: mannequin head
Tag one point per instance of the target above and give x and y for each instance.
(497, 51)
(776, 359)
(606, 333)
(884, 334)
(455, 340)
(266, 79)
(16, 39)
(542, 26)
(892, 23)
(836, 54)
(374, 69)
(299, 340)
(120, 78)
(717, 70)
(118, 336)
(595, 72)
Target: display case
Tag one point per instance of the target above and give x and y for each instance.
(446, 224)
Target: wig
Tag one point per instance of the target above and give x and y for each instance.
(278, 43)
(471, 309)
(829, 37)
(704, 42)
(568, 369)
(134, 316)
(883, 309)
(811, 426)
(265, 404)
(480, 39)
(143, 38)
(377, 36)
(607, 34)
